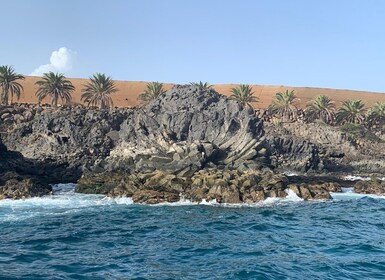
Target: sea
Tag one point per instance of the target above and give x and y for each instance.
(77, 236)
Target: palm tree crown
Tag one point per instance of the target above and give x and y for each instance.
(97, 91)
(56, 86)
(202, 85)
(9, 84)
(377, 113)
(351, 111)
(283, 104)
(244, 94)
(153, 90)
(322, 108)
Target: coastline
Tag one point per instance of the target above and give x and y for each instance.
(188, 141)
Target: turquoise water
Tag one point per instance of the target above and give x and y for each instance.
(72, 236)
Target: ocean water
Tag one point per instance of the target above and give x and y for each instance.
(74, 236)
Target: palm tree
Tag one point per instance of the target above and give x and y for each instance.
(351, 111)
(244, 95)
(153, 90)
(376, 114)
(322, 108)
(283, 105)
(56, 86)
(203, 86)
(9, 84)
(97, 91)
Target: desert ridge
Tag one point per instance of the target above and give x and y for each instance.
(128, 93)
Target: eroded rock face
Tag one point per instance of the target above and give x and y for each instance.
(75, 136)
(320, 147)
(187, 128)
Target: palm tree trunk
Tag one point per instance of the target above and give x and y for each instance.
(4, 96)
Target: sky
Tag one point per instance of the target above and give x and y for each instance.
(325, 43)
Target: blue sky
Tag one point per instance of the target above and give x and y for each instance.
(325, 43)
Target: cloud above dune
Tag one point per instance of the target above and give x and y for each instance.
(61, 61)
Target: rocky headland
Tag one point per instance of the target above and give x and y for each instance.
(189, 143)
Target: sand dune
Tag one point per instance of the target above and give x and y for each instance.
(129, 91)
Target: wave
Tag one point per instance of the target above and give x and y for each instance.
(360, 178)
(64, 199)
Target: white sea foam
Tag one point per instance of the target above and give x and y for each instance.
(356, 178)
(290, 173)
(123, 200)
(360, 178)
(64, 200)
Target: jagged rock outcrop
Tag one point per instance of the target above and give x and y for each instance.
(69, 136)
(372, 186)
(186, 129)
(181, 131)
(320, 147)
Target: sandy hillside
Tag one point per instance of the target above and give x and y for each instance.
(129, 91)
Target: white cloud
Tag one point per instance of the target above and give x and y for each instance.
(61, 61)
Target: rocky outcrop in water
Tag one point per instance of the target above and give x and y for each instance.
(191, 142)
(372, 186)
(223, 186)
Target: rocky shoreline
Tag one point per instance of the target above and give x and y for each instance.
(190, 142)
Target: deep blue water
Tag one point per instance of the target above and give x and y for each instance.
(72, 236)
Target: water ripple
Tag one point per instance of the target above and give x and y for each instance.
(90, 237)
